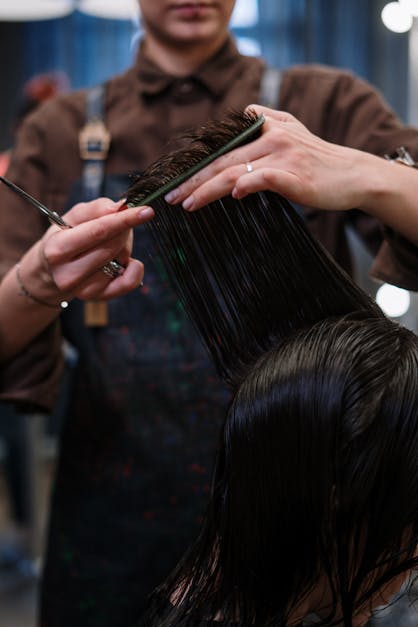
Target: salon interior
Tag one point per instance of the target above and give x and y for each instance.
(79, 44)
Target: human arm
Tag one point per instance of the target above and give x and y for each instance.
(65, 264)
(288, 159)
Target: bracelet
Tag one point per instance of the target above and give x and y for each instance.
(25, 292)
(401, 155)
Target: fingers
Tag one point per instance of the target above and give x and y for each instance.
(71, 273)
(95, 234)
(215, 181)
(85, 211)
(220, 177)
(101, 231)
(101, 287)
(287, 159)
(216, 187)
(261, 179)
(279, 116)
(131, 279)
(240, 182)
(286, 183)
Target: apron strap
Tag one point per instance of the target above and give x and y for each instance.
(94, 142)
(270, 88)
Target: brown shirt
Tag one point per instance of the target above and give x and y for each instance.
(145, 109)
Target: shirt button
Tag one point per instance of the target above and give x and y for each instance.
(185, 88)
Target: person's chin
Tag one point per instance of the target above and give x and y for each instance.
(188, 33)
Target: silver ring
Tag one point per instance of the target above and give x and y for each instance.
(113, 269)
(249, 166)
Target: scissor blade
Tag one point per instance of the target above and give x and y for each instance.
(51, 215)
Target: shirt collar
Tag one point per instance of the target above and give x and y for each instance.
(215, 74)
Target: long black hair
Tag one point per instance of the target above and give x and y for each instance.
(315, 486)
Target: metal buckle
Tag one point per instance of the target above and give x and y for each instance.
(401, 155)
(94, 141)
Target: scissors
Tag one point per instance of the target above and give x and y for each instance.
(113, 268)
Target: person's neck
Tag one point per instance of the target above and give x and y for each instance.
(179, 61)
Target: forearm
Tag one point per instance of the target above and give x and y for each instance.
(392, 196)
(21, 317)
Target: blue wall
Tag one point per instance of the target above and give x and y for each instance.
(89, 49)
(344, 33)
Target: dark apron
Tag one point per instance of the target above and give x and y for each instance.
(136, 452)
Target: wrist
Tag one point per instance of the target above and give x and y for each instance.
(380, 189)
(391, 196)
(24, 291)
(36, 283)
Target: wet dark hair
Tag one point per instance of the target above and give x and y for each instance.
(316, 477)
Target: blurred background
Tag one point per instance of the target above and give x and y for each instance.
(50, 46)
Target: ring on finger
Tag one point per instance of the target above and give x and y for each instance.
(113, 269)
(249, 167)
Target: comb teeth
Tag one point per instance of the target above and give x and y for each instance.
(207, 143)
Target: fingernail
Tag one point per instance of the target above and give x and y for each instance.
(187, 204)
(146, 212)
(120, 203)
(172, 196)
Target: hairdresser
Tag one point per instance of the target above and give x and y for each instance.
(142, 424)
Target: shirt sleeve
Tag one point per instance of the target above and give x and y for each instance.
(30, 379)
(396, 262)
(372, 126)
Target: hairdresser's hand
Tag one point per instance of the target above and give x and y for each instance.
(66, 263)
(71, 259)
(287, 159)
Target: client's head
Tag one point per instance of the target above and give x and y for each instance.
(315, 492)
(314, 504)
